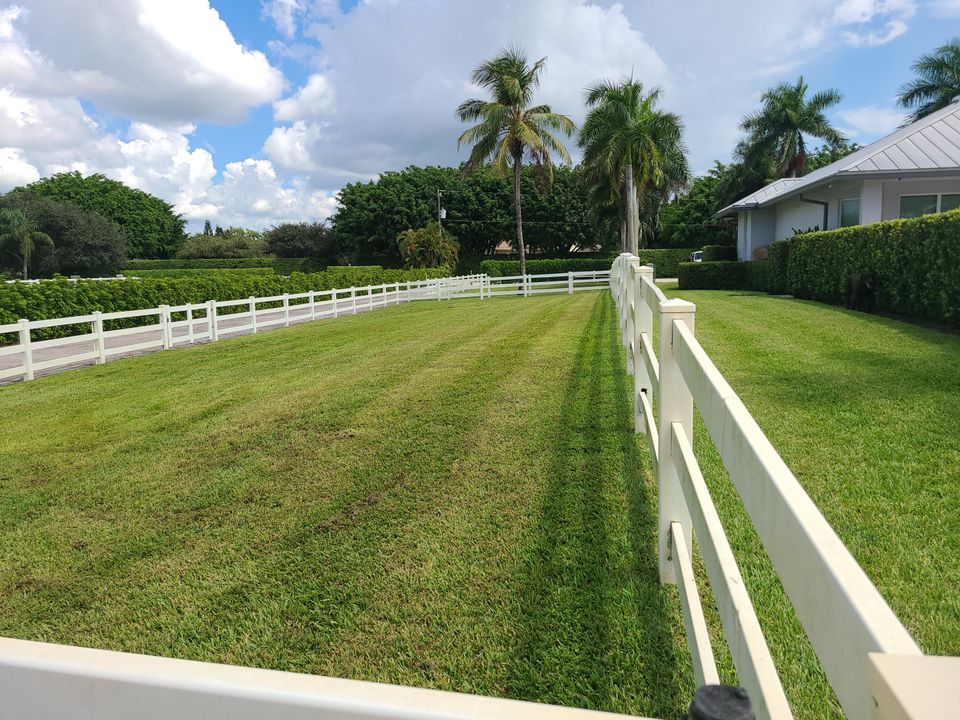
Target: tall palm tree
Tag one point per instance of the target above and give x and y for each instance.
(20, 239)
(638, 148)
(777, 129)
(937, 81)
(510, 127)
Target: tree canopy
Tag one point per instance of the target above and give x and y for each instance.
(151, 227)
(936, 83)
(510, 129)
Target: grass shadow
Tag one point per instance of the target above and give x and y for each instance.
(598, 630)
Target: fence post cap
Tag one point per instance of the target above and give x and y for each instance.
(721, 702)
(676, 305)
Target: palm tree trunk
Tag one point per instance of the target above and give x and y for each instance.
(623, 233)
(633, 212)
(26, 259)
(516, 205)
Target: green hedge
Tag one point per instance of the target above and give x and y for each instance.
(778, 257)
(915, 264)
(722, 275)
(666, 261)
(197, 272)
(281, 266)
(715, 253)
(62, 298)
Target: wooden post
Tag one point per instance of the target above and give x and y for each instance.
(629, 309)
(98, 337)
(190, 335)
(313, 304)
(253, 314)
(333, 297)
(674, 404)
(642, 325)
(27, 350)
(353, 300)
(212, 320)
(570, 283)
(165, 333)
(286, 309)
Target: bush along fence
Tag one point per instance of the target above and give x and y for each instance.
(908, 267)
(665, 260)
(281, 266)
(95, 336)
(869, 658)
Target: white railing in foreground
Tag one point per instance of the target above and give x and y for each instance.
(870, 660)
(42, 681)
(191, 323)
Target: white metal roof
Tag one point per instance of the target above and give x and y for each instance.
(930, 145)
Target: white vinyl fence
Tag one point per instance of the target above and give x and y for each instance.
(167, 326)
(870, 660)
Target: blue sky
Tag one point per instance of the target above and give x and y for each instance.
(254, 112)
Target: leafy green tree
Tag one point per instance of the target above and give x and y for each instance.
(86, 243)
(21, 240)
(152, 228)
(634, 149)
(829, 153)
(778, 128)
(689, 219)
(233, 242)
(937, 81)
(207, 228)
(298, 240)
(510, 127)
(430, 246)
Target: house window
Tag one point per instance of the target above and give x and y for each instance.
(912, 206)
(949, 202)
(849, 212)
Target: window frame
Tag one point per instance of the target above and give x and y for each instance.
(938, 195)
(840, 211)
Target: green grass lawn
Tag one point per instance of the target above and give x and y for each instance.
(438, 494)
(866, 412)
(450, 495)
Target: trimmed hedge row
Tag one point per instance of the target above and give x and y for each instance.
(281, 266)
(198, 272)
(62, 298)
(915, 265)
(715, 253)
(666, 261)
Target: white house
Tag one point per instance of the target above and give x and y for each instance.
(911, 172)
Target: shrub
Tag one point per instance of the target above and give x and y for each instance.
(429, 246)
(721, 275)
(302, 240)
(778, 255)
(197, 272)
(714, 253)
(665, 260)
(914, 264)
(233, 242)
(281, 266)
(757, 274)
(62, 298)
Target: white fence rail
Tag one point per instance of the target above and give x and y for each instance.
(849, 624)
(175, 325)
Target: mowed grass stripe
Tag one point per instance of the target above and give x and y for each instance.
(437, 494)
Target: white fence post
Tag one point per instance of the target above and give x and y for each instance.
(212, 320)
(98, 337)
(674, 405)
(286, 309)
(27, 350)
(165, 333)
(642, 325)
(353, 300)
(333, 297)
(630, 310)
(190, 335)
(253, 315)
(570, 283)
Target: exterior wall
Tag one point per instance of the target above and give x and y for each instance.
(794, 214)
(893, 189)
(755, 229)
